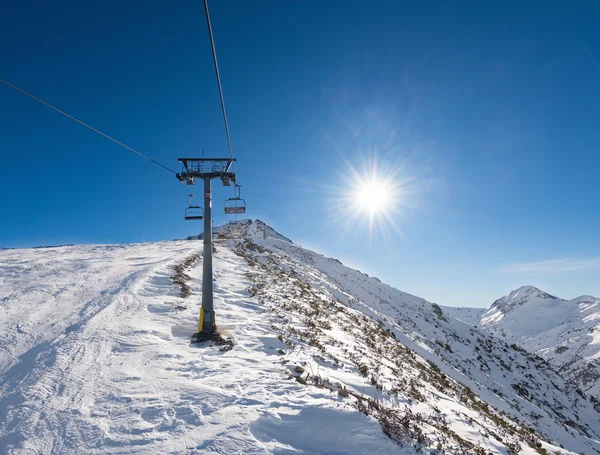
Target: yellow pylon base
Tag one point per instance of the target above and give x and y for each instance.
(201, 321)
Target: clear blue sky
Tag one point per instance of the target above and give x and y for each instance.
(492, 112)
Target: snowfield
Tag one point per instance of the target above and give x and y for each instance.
(95, 358)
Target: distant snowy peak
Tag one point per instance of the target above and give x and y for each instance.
(519, 297)
(521, 312)
(585, 300)
(525, 295)
(566, 333)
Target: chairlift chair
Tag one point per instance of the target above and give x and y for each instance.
(235, 205)
(193, 212)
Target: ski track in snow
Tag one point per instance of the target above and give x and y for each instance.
(95, 359)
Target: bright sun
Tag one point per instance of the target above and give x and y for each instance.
(373, 197)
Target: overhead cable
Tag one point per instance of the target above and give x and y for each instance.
(214, 53)
(87, 126)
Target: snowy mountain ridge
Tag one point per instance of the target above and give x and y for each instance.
(95, 358)
(383, 301)
(566, 333)
(519, 297)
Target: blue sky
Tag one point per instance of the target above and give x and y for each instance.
(489, 112)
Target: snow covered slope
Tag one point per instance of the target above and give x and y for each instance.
(518, 384)
(471, 316)
(95, 358)
(564, 332)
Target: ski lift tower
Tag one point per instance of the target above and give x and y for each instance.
(207, 169)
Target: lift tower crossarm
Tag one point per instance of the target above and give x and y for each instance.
(206, 168)
(181, 160)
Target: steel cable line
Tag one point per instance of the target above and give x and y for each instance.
(214, 54)
(87, 126)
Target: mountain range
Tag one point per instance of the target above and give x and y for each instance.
(566, 333)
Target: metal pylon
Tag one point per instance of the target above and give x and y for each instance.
(207, 169)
